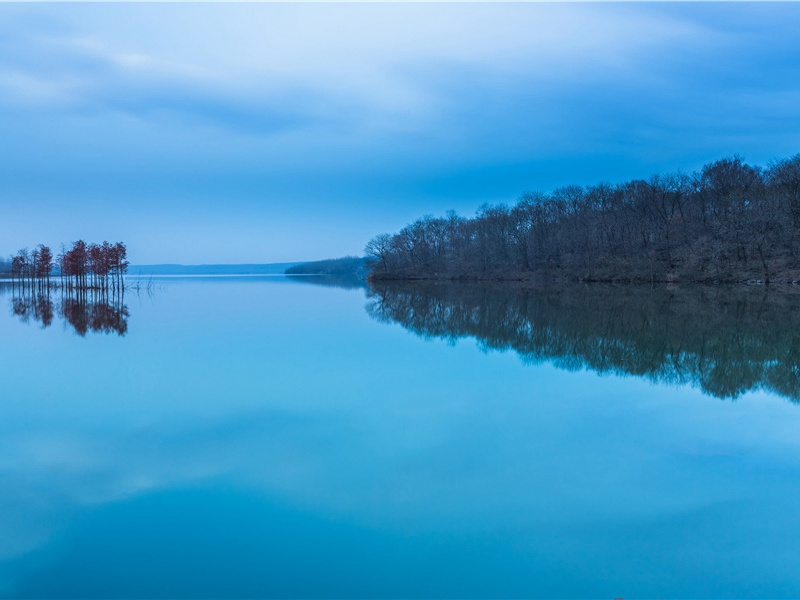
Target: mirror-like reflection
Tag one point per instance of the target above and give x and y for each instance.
(86, 311)
(248, 431)
(727, 341)
(345, 282)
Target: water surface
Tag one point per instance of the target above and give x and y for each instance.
(266, 437)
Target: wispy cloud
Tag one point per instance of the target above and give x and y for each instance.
(360, 64)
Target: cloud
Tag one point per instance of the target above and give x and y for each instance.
(248, 67)
(388, 110)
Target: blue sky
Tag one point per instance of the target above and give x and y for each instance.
(276, 132)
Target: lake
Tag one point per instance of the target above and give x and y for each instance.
(246, 437)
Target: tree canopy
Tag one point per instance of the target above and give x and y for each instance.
(729, 222)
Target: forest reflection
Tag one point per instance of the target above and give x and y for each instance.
(344, 282)
(724, 340)
(86, 311)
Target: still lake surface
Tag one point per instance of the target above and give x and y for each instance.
(272, 437)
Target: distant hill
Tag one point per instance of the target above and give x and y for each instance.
(345, 282)
(351, 266)
(243, 269)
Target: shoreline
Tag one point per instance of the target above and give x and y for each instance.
(543, 280)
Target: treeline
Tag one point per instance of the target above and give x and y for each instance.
(730, 222)
(81, 267)
(726, 340)
(346, 266)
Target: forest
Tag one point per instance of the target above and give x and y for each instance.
(99, 267)
(729, 222)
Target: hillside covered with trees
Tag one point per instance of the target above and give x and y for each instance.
(730, 222)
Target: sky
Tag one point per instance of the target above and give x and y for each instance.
(271, 132)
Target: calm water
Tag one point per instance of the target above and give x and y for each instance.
(261, 437)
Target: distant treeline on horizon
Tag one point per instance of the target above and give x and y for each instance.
(730, 222)
(353, 266)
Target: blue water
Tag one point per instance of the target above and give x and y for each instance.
(262, 437)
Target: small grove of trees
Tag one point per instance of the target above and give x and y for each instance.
(729, 222)
(81, 267)
(32, 267)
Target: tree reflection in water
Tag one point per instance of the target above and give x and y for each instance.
(725, 340)
(86, 311)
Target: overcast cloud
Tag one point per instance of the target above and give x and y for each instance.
(271, 132)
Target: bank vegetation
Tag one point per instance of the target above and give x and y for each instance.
(729, 222)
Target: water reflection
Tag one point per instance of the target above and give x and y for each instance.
(345, 282)
(726, 341)
(94, 311)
